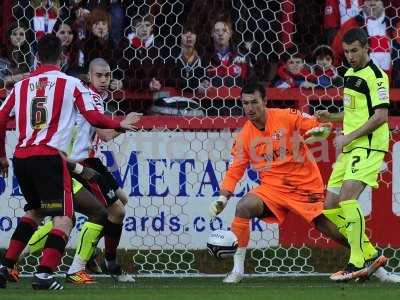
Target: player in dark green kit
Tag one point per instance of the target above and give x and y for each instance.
(364, 142)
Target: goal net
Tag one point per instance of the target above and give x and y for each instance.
(171, 167)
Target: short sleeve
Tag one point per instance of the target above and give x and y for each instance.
(379, 92)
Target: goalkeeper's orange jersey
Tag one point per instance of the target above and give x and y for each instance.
(278, 153)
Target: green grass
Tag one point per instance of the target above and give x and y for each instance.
(266, 288)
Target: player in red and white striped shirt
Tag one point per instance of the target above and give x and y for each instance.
(85, 150)
(45, 106)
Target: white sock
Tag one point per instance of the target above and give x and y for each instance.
(77, 265)
(238, 260)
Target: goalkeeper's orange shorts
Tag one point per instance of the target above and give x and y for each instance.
(280, 203)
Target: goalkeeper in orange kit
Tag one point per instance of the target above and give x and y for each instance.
(271, 141)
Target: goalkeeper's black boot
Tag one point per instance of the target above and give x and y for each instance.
(7, 274)
(45, 281)
(92, 265)
(3, 277)
(113, 269)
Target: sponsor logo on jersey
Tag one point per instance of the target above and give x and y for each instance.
(383, 94)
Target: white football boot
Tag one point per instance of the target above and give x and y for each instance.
(233, 277)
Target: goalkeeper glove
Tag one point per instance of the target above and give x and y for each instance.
(217, 206)
(319, 133)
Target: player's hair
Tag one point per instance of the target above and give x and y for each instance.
(252, 86)
(98, 62)
(49, 49)
(355, 34)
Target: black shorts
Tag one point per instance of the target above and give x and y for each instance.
(105, 186)
(46, 184)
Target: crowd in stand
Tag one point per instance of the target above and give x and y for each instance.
(144, 61)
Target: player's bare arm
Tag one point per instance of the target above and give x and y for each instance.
(107, 135)
(326, 116)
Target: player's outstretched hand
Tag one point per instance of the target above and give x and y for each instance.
(318, 133)
(129, 121)
(217, 206)
(4, 167)
(89, 174)
(323, 115)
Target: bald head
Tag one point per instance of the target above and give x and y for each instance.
(99, 74)
(98, 62)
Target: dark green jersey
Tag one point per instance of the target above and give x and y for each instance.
(365, 90)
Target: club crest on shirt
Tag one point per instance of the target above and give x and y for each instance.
(277, 135)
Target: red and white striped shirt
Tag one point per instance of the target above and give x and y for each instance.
(46, 104)
(86, 142)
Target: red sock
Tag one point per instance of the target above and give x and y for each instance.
(241, 228)
(20, 238)
(53, 251)
(112, 236)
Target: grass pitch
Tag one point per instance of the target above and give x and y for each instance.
(298, 288)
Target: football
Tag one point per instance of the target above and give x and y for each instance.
(222, 244)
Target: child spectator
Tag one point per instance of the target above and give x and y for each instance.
(142, 62)
(141, 38)
(189, 68)
(324, 71)
(294, 73)
(225, 66)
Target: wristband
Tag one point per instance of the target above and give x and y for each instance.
(78, 169)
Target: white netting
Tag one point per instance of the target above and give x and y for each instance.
(173, 173)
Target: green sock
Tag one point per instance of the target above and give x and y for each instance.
(87, 241)
(355, 230)
(39, 238)
(335, 215)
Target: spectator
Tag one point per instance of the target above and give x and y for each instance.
(142, 62)
(185, 72)
(225, 65)
(294, 73)
(141, 38)
(64, 31)
(19, 52)
(396, 56)
(80, 10)
(372, 18)
(4, 72)
(189, 65)
(99, 43)
(338, 12)
(324, 71)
